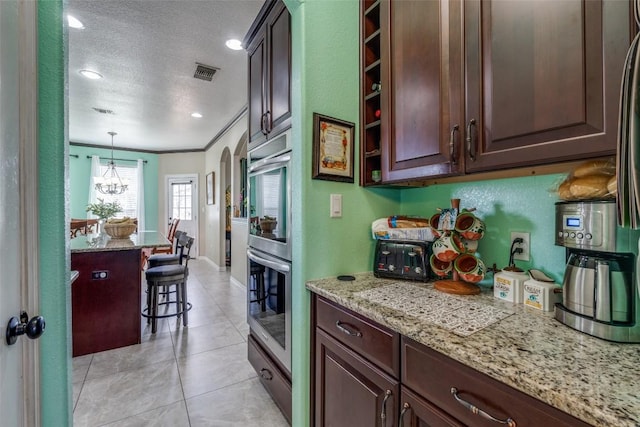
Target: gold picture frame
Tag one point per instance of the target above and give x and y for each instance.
(333, 148)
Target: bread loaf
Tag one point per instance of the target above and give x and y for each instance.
(612, 186)
(564, 189)
(595, 167)
(589, 187)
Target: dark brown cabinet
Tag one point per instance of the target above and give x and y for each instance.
(486, 85)
(356, 369)
(268, 44)
(543, 80)
(274, 379)
(358, 380)
(105, 300)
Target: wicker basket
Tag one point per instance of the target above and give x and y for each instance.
(119, 231)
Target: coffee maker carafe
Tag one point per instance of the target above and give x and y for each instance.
(600, 286)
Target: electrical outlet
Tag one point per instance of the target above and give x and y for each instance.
(525, 246)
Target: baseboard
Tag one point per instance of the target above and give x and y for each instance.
(237, 283)
(216, 266)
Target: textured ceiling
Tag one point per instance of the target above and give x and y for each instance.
(147, 52)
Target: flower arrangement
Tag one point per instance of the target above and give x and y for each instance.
(104, 210)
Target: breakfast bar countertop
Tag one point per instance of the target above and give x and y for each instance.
(594, 380)
(99, 243)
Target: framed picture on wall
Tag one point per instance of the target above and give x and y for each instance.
(210, 183)
(332, 149)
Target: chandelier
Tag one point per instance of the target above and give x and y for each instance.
(110, 182)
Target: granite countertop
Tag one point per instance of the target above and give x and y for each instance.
(594, 380)
(100, 243)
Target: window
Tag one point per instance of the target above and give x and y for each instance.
(181, 200)
(128, 199)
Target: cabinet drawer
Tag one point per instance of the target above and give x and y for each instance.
(433, 375)
(278, 386)
(371, 340)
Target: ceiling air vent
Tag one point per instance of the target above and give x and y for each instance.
(103, 111)
(205, 72)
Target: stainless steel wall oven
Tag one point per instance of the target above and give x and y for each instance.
(269, 252)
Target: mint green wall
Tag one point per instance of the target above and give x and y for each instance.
(55, 343)
(505, 205)
(325, 56)
(80, 171)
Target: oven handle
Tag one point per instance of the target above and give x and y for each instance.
(272, 161)
(278, 266)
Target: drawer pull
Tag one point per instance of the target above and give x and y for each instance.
(383, 413)
(477, 411)
(266, 374)
(405, 408)
(347, 330)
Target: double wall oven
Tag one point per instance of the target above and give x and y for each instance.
(269, 252)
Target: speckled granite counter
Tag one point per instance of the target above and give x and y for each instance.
(594, 380)
(96, 243)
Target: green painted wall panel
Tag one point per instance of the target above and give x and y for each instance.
(517, 204)
(80, 171)
(55, 343)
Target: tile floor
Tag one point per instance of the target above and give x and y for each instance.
(194, 376)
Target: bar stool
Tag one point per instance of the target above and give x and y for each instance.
(174, 258)
(256, 271)
(172, 278)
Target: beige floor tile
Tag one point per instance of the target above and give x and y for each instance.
(204, 372)
(204, 338)
(243, 404)
(125, 394)
(174, 415)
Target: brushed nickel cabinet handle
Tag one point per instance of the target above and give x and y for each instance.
(266, 374)
(346, 330)
(383, 412)
(452, 146)
(477, 411)
(405, 408)
(472, 154)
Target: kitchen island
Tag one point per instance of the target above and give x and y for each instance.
(106, 297)
(593, 380)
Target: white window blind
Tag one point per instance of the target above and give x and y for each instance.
(128, 199)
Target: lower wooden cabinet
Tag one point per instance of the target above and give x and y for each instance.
(272, 377)
(418, 412)
(351, 391)
(352, 388)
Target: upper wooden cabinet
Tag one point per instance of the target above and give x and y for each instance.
(543, 80)
(268, 44)
(486, 85)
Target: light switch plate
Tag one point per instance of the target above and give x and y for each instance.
(335, 205)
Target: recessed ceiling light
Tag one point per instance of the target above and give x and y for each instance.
(234, 44)
(93, 75)
(74, 22)
(196, 115)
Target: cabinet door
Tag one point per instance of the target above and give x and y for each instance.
(256, 89)
(349, 390)
(417, 412)
(279, 89)
(421, 89)
(543, 80)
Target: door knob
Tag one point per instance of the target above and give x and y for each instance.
(31, 328)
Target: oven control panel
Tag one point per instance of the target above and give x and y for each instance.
(401, 259)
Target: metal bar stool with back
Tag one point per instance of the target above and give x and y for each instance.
(172, 278)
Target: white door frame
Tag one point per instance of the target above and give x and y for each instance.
(193, 177)
(24, 354)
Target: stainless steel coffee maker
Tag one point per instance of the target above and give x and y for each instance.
(601, 291)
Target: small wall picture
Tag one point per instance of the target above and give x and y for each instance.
(332, 149)
(210, 186)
